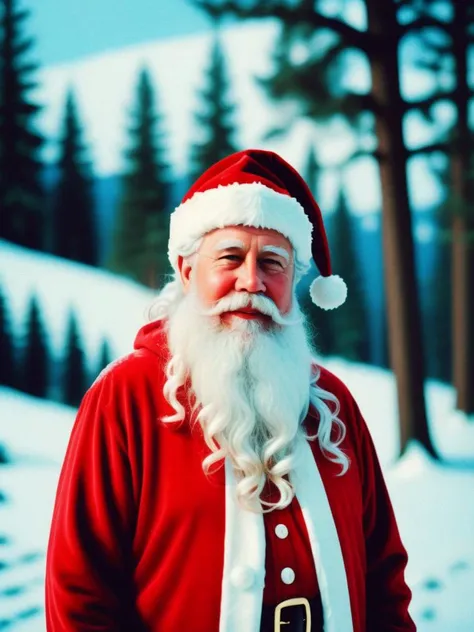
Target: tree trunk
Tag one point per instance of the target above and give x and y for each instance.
(405, 339)
(463, 224)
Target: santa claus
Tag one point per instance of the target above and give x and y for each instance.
(218, 479)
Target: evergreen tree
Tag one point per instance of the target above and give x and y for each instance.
(4, 459)
(8, 368)
(312, 171)
(319, 320)
(214, 120)
(351, 339)
(385, 361)
(21, 194)
(439, 317)
(141, 239)
(75, 378)
(105, 356)
(74, 230)
(36, 354)
(447, 37)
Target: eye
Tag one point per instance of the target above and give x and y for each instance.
(271, 263)
(230, 258)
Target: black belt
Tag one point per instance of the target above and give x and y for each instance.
(293, 615)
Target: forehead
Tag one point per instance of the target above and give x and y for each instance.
(247, 235)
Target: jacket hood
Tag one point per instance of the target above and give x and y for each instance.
(152, 336)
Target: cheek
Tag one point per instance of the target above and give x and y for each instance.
(214, 284)
(280, 290)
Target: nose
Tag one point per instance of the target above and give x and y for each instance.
(249, 276)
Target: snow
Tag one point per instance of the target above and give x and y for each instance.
(105, 85)
(435, 511)
(434, 503)
(61, 286)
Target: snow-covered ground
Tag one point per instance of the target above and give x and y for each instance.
(434, 503)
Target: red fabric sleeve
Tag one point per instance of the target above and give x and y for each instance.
(88, 566)
(388, 596)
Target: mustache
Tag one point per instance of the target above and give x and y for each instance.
(257, 302)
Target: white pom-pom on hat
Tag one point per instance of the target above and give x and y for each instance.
(328, 292)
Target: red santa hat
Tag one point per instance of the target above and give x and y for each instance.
(258, 188)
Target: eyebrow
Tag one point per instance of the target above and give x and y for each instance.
(227, 244)
(277, 250)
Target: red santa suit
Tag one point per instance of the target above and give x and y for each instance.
(142, 539)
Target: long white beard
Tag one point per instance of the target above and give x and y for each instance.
(251, 386)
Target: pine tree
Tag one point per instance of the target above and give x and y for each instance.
(4, 459)
(36, 355)
(312, 171)
(462, 177)
(319, 321)
(214, 120)
(385, 361)
(74, 230)
(439, 317)
(439, 331)
(446, 33)
(21, 194)
(105, 356)
(140, 242)
(75, 378)
(8, 367)
(351, 339)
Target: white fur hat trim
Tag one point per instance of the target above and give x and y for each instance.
(247, 204)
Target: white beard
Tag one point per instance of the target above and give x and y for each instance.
(251, 385)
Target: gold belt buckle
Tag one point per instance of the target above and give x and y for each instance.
(296, 601)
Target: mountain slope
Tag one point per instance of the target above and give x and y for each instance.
(105, 84)
(107, 305)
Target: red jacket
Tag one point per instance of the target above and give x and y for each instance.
(141, 539)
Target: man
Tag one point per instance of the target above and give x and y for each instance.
(217, 478)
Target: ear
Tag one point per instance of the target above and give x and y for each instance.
(185, 270)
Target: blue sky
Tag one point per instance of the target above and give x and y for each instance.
(70, 29)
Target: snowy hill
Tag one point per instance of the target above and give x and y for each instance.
(105, 85)
(107, 305)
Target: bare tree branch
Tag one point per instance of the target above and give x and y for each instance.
(428, 149)
(289, 15)
(359, 153)
(424, 104)
(423, 22)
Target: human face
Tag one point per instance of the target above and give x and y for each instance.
(242, 259)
